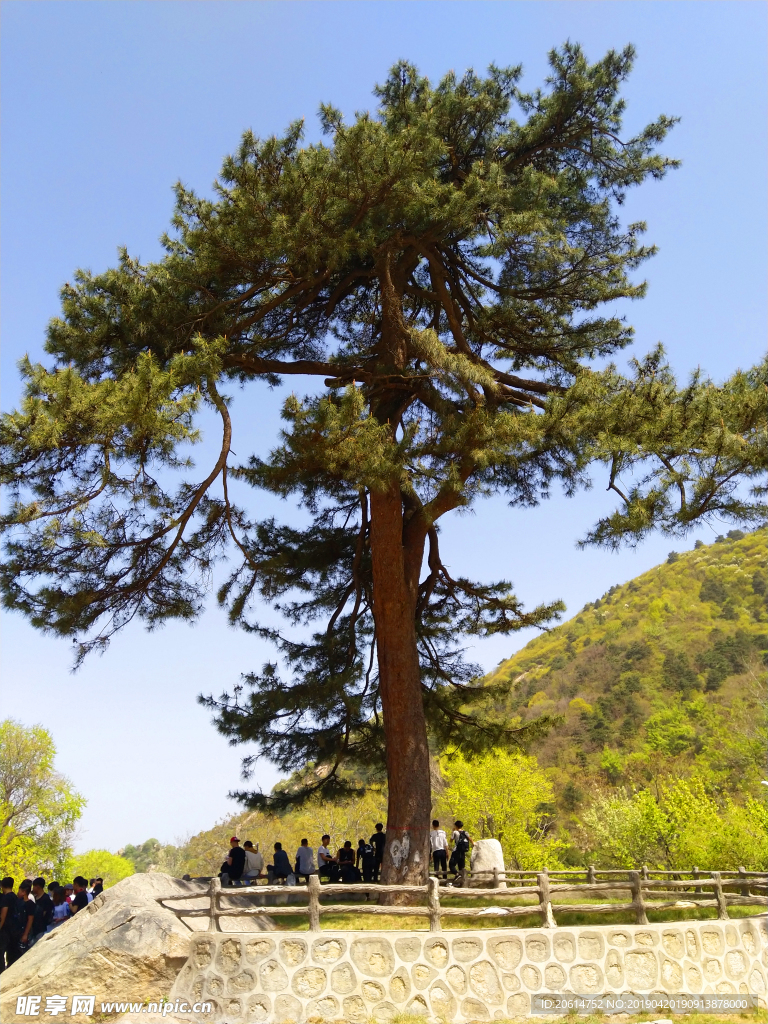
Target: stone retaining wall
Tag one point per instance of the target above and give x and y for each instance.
(461, 975)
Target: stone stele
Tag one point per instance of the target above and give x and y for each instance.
(487, 855)
(124, 946)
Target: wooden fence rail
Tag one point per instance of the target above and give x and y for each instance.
(646, 894)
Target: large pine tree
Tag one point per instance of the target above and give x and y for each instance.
(441, 267)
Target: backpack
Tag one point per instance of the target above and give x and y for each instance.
(462, 843)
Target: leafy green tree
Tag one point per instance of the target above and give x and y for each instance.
(503, 795)
(440, 270)
(98, 864)
(622, 830)
(682, 826)
(39, 809)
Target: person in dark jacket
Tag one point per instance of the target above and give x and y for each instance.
(280, 867)
(9, 928)
(43, 909)
(347, 869)
(366, 860)
(25, 909)
(378, 841)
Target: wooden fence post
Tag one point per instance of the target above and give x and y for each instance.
(545, 907)
(722, 906)
(591, 876)
(644, 872)
(313, 891)
(433, 902)
(462, 878)
(214, 888)
(495, 878)
(695, 874)
(745, 882)
(637, 898)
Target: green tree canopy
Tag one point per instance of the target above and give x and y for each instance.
(679, 827)
(447, 267)
(111, 867)
(39, 809)
(503, 795)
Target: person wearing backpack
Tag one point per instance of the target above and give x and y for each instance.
(366, 860)
(461, 845)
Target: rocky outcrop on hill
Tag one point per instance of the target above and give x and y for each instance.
(125, 947)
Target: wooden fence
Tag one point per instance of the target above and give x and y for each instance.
(647, 893)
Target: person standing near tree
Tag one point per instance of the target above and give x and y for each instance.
(61, 911)
(80, 899)
(378, 842)
(9, 933)
(43, 909)
(438, 845)
(366, 860)
(461, 844)
(25, 909)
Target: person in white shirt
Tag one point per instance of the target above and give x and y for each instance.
(438, 845)
(254, 862)
(327, 866)
(305, 860)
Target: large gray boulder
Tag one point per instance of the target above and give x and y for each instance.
(487, 855)
(125, 947)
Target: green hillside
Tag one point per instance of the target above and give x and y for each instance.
(658, 677)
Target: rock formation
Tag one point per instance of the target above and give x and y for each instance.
(126, 946)
(487, 855)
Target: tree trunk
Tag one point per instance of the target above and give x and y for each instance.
(406, 855)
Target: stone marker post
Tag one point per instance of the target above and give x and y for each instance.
(545, 907)
(313, 891)
(637, 898)
(722, 905)
(214, 888)
(433, 902)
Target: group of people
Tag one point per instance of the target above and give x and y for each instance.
(27, 914)
(245, 864)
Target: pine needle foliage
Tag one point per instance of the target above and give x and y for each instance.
(446, 266)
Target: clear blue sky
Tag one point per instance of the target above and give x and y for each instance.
(106, 104)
